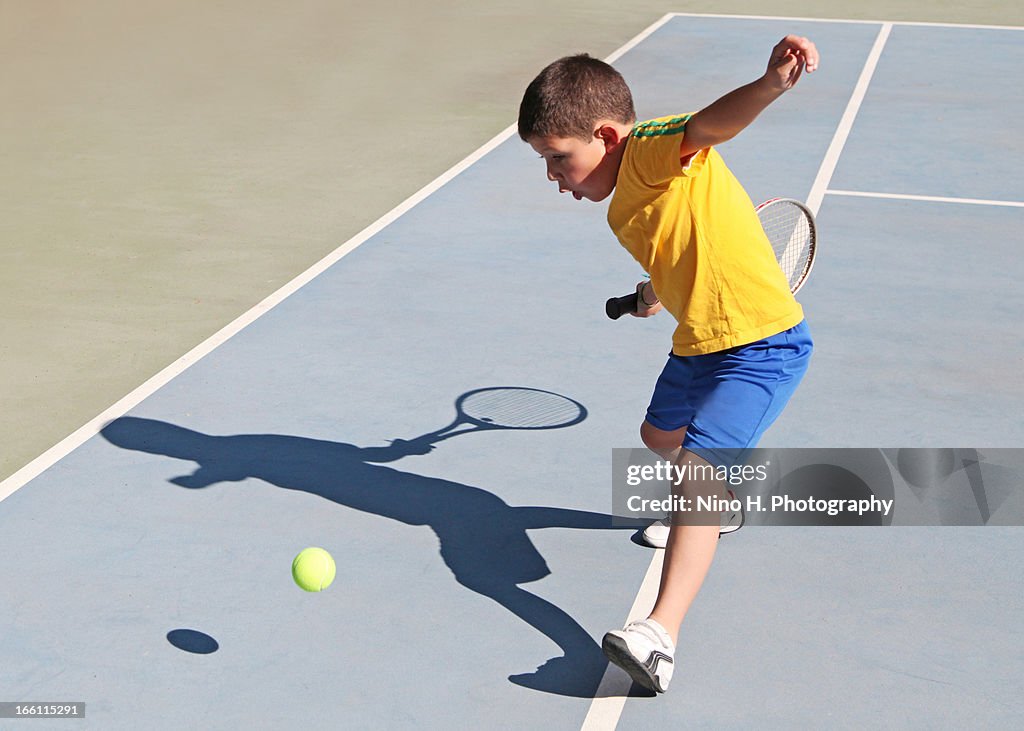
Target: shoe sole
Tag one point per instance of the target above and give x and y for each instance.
(616, 650)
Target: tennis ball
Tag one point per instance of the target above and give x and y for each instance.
(313, 569)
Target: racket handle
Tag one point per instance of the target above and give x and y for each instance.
(616, 307)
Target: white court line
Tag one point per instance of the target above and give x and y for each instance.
(604, 712)
(616, 55)
(922, 24)
(610, 697)
(606, 708)
(90, 429)
(835, 149)
(927, 198)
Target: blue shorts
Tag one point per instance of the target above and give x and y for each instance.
(728, 399)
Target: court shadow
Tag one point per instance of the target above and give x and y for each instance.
(194, 641)
(483, 540)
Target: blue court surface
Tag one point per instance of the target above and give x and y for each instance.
(146, 561)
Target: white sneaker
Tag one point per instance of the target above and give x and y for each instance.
(656, 534)
(644, 650)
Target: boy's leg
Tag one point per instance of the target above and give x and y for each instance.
(691, 545)
(690, 548)
(728, 400)
(748, 388)
(645, 649)
(665, 444)
(664, 428)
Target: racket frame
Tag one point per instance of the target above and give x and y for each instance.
(812, 227)
(616, 307)
(474, 424)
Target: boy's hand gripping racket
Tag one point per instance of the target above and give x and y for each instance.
(790, 228)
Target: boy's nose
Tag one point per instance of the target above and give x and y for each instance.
(552, 177)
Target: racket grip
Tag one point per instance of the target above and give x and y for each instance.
(616, 307)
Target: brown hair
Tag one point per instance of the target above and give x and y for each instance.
(570, 95)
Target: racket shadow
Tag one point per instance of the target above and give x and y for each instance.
(483, 540)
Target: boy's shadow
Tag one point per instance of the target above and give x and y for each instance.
(483, 539)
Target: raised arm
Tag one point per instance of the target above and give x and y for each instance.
(724, 119)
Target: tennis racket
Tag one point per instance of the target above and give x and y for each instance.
(486, 409)
(789, 226)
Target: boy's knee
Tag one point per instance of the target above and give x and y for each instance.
(659, 440)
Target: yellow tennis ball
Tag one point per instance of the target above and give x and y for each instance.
(313, 569)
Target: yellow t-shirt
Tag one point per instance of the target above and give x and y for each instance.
(694, 230)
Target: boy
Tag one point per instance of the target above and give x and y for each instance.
(740, 347)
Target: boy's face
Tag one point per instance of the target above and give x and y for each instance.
(585, 169)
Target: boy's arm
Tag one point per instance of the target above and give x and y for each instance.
(725, 118)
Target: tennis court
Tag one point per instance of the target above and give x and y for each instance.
(474, 577)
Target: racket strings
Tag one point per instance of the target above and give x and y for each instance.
(791, 236)
(520, 409)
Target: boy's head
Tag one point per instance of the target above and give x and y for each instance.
(577, 114)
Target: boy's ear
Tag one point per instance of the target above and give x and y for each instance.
(609, 135)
